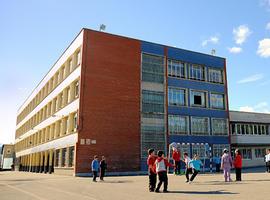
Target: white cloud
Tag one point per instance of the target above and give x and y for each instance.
(268, 26)
(235, 50)
(241, 33)
(213, 40)
(252, 78)
(264, 48)
(260, 107)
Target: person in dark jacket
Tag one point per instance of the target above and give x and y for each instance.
(238, 164)
(103, 167)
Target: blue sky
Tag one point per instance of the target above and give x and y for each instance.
(33, 34)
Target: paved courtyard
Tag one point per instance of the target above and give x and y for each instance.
(26, 186)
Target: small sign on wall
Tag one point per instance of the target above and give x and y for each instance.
(88, 141)
(82, 141)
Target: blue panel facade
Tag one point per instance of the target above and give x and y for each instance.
(194, 57)
(199, 139)
(152, 48)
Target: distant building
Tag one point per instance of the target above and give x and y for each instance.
(250, 134)
(7, 156)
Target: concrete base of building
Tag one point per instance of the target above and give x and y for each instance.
(136, 173)
(64, 171)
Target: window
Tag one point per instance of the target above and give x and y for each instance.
(199, 126)
(260, 153)
(152, 68)
(64, 154)
(178, 125)
(233, 129)
(218, 149)
(215, 76)
(57, 158)
(196, 72)
(75, 121)
(78, 57)
(217, 101)
(77, 89)
(68, 95)
(176, 97)
(152, 102)
(246, 153)
(70, 63)
(176, 69)
(219, 127)
(199, 150)
(71, 156)
(198, 98)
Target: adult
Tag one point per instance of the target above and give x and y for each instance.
(267, 160)
(226, 165)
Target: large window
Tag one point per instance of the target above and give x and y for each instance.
(218, 149)
(176, 69)
(217, 101)
(250, 129)
(152, 102)
(246, 153)
(199, 150)
(215, 75)
(198, 98)
(219, 127)
(152, 68)
(176, 97)
(71, 157)
(196, 72)
(178, 124)
(199, 126)
(260, 152)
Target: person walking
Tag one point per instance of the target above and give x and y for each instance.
(103, 168)
(226, 165)
(238, 165)
(95, 168)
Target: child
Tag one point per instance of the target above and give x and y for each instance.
(103, 167)
(161, 169)
(188, 167)
(95, 168)
(196, 164)
(238, 164)
(152, 170)
(176, 158)
(226, 165)
(217, 161)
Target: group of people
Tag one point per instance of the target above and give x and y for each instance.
(158, 164)
(98, 167)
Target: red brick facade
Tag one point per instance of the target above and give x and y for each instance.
(109, 102)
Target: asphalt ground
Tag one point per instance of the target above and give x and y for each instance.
(28, 186)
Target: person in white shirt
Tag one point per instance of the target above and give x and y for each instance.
(267, 160)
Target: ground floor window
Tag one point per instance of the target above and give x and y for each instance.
(218, 149)
(57, 158)
(63, 161)
(260, 152)
(71, 156)
(199, 150)
(246, 153)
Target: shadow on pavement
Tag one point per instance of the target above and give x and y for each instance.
(203, 192)
(110, 181)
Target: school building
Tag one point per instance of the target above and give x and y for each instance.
(116, 96)
(250, 134)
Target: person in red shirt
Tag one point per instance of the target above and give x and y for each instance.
(176, 155)
(152, 169)
(238, 164)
